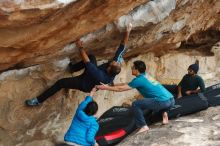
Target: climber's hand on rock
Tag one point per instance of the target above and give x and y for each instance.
(79, 44)
(129, 27)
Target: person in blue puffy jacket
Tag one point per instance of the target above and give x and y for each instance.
(84, 125)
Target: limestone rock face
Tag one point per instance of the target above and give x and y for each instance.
(48, 123)
(201, 129)
(37, 43)
(216, 50)
(34, 35)
(31, 35)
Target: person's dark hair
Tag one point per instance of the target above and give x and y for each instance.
(140, 66)
(91, 108)
(114, 70)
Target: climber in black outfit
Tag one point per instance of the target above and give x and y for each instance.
(93, 74)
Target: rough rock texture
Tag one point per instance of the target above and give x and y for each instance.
(201, 129)
(15, 5)
(29, 39)
(172, 33)
(216, 50)
(49, 122)
(29, 36)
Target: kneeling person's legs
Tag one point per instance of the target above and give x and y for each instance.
(139, 106)
(164, 108)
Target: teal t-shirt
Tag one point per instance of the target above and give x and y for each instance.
(150, 88)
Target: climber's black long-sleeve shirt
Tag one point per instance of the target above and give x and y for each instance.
(96, 74)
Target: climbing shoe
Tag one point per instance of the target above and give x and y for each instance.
(32, 102)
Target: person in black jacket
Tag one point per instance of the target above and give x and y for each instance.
(92, 76)
(191, 83)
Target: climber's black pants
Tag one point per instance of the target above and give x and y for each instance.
(68, 83)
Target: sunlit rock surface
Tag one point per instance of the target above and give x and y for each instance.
(30, 36)
(36, 39)
(201, 129)
(49, 122)
(14, 5)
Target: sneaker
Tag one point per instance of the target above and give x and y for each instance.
(32, 102)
